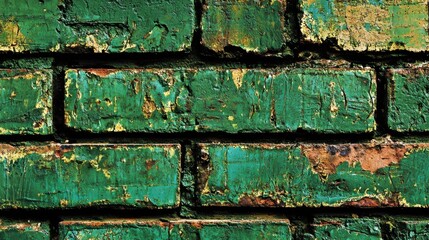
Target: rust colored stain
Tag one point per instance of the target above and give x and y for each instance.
(150, 163)
(250, 201)
(326, 158)
(101, 72)
(364, 202)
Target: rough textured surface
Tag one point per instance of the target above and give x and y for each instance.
(235, 100)
(252, 26)
(27, 25)
(367, 25)
(65, 176)
(348, 228)
(408, 228)
(116, 26)
(176, 229)
(359, 175)
(26, 101)
(129, 25)
(24, 230)
(408, 99)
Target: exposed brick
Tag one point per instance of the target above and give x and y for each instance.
(314, 175)
(347, 228)
(207, 100)
(24, 230)
(367, 25)
(409, 228)
(26, 100)
(253, 26)
(408, 99)
(176, 229)
(66, 176)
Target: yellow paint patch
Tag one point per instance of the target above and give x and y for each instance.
(148, 107)
(11, 38)
(356, 34)
(237, 77)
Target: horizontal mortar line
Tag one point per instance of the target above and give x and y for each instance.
(166, 58)
(225, 137)
(220, 137)
(209, 213)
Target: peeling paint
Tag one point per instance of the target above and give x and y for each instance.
(313, 175)
(252, 229)
(26, 97)
(228, 100)
(252, 26)
(367, 25)
(347, 228)
(24, 230)
(67, 176)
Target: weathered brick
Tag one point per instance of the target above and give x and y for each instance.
(347, 228)
(408, 97)
(234, 100)
(361, 175)
(26, 100)
(129, 25)
(253, 26)
(367, 25)
(118, 26)
(408, 228)
(29, 25)
(65, 176)
(24, 230)
(176, 229)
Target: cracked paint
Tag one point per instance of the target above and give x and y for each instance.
(229, 100)
(312, 175)
(67, 176)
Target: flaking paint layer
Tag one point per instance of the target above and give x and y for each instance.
(347, 228)
(67, 176)
(367, 25)
(94, 26)
(253, 26)
(26, 97)
(360, 175)
(227, 100)
(176, 229)
(24, 230)
(408, 99)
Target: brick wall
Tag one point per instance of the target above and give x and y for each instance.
(214, 119)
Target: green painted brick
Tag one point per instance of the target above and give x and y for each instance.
(24, 230)
(254, 26)
(116, 26)
(27, 25)
(358, 175)
(176, 229)
(226, 100)
(408, 97)
(409, 228)
(26, 100)
(77, 175)
(129, 25)
(347, 228)
(367, 25)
